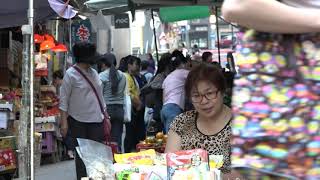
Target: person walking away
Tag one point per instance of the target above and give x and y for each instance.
(207, 57)
(173, 90)
(57, 77)
(144, 71)
(277, 88)
(151, 65)
(152, 92)
(113, 86)
(78, 102)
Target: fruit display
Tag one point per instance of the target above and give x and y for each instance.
(157, 142)
(47, 102)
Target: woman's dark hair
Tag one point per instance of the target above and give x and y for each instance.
(84, 52)
(205, 72)
(123, 66)
(205, 56)
(132, 59)
(150, 56)
(177, 58)
(110, 61)
(164, 62)
(57, 74)
(144, 65)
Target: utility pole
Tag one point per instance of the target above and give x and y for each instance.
(26, 127)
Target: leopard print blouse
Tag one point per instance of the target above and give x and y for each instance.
(191, 138)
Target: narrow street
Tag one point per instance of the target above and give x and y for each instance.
(64, 170)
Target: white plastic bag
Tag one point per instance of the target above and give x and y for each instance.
(127, 105)
(148, 115)
(97, 158)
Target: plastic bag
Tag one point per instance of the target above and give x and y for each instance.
(127, 108)
(97, 158)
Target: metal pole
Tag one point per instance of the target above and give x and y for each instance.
(218, 33)
(31, 64)
(155, 35)
(26, 127)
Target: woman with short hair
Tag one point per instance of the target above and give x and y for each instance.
(207, 127)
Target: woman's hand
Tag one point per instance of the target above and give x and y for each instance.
(64, 123)
(137, 104)
(64, 129)
(271, 16)
(173, 142)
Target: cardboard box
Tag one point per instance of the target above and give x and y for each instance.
(7, 160)
(48, 119)
(5, 110)
(46, 127)
(8, 142)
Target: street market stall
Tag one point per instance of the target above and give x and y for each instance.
(147, 165)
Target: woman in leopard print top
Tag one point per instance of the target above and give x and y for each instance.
(208, 126)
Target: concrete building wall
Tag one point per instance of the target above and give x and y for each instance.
(120, 42)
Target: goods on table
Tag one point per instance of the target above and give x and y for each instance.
(7, 160)
(157, 142)
(147, 165)
(141, 158)
(189, 164)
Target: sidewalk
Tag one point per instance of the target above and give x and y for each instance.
(64, 170)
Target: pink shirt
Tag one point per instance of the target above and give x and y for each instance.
(173, 88)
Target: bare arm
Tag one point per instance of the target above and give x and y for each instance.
(271, 16)
(65, 92)
(173, 142)
(64, 123)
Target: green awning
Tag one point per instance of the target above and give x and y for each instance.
(179, 13)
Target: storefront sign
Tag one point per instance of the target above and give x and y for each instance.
(121, 21)
(81, 31)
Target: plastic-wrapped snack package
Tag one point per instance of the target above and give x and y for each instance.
(188, 164)
(139, 158)
(97, 158)
(144, 172)
(215, 161)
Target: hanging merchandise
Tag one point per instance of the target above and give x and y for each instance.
(41, 64)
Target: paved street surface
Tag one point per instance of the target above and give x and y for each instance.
(64, 170)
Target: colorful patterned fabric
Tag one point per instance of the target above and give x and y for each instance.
(276, 104)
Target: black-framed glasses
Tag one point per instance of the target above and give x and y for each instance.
(196, 98)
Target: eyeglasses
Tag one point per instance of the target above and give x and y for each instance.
(196, 98)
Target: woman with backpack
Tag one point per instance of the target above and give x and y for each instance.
(152, 92)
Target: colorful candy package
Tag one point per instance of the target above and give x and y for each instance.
(189, 164)
(140, 158)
